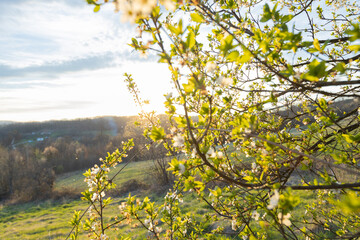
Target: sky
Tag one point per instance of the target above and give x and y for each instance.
(60, 60)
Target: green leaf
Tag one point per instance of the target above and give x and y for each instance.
(181, 122)
(267, 14)
(197, 17)
(157, 134)
(177, 30)
(249, 178)
(226, 44)
(164, 58)
(317, 45)
(350, 203)
(348, 138)
(351, 138)
(316, 182)
(96, 8)
(272, 98)
(323, 103)
(288, 200)
(340, 67)
(214, 192)
(356, 138)
(190, 40)
(355, 48)
(233, 55)
(354, 33)
(172, 28)
(286, 18)
(264, 46)
(205, 109)
(246, 56)
(156, 11)
(190, 86)
(316, 71)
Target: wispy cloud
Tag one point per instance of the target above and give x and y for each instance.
(34, 32)
(60, 60)
(46, 107)
(92, 62)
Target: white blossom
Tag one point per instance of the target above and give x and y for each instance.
(103, 236)
(144, 54)
(178, 140)
(247, 131)
(94, 197)
(151, 226)
(117, 5)
(122, 206)
(138, 32)
(264, 151)
(233, 224)
(297, 76)
(181, 168)
(143, 7)
(306, 121)
(169, 5)
(254, 167)
(255, 215)
(211, 153)
(284, 219)
(127, 13)
(274, 200)
(168, 96)
(220, 154)
(224, 81)
(210, 67)
(173, 130)
(166, 208)
(193, 153)
(95, 169)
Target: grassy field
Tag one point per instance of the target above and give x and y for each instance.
(38, 220)
(50, 219)
(75, 180)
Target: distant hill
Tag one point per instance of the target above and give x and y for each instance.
(2, 123)
(340, 107)
(15, 132)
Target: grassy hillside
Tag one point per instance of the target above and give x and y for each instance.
(49, 219)
(75, 180)
(42, 220)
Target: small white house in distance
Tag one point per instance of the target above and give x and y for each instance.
(40, 139)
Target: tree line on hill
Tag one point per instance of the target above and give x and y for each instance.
(32, 154)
